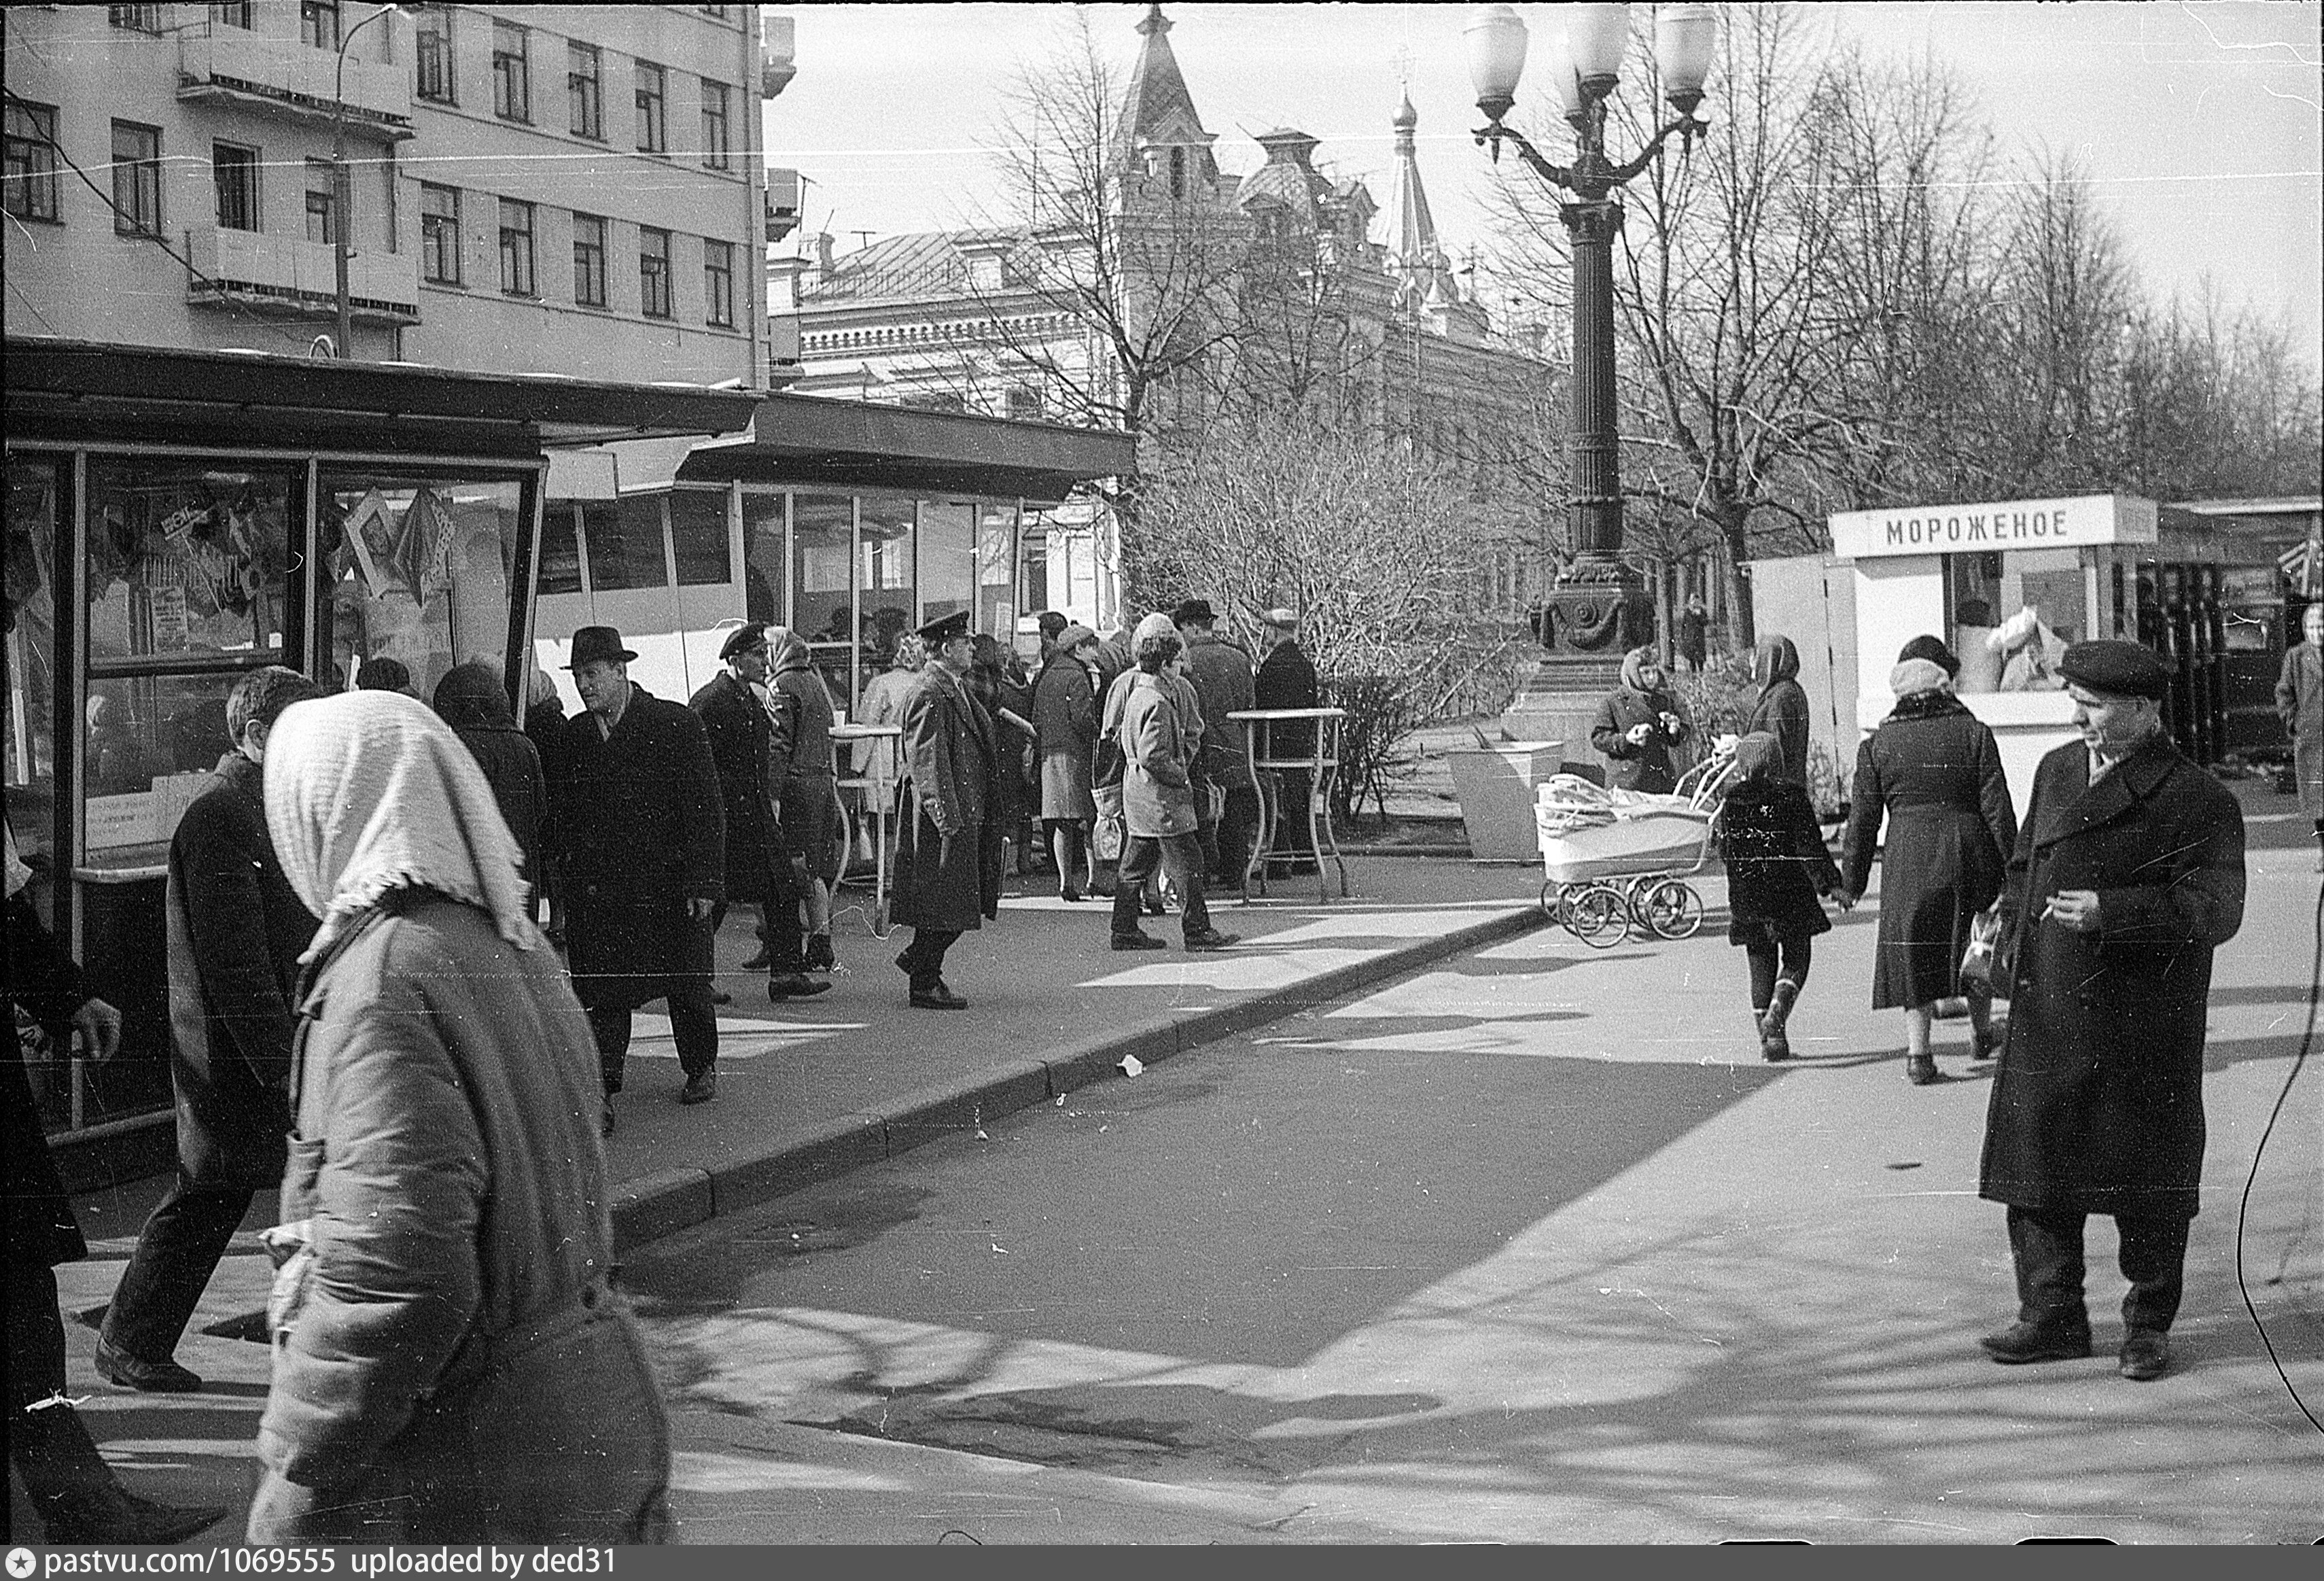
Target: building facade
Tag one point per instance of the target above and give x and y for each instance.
(529, 189)
(1376, 335)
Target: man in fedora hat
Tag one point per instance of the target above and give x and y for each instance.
(947, 878)
(2127, 874)
(758, 860)
(1285, 678)
(645, 856)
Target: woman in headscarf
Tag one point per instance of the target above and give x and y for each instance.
(451, 1364)
(1932, 771)
(470, 699)
(1637, 725)
(1777, 867)
(805, 770)
(1782, 709)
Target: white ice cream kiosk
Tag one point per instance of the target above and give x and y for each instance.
(2007, 584)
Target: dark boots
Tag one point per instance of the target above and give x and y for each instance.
(79, 1497)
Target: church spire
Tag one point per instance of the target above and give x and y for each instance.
(1413, 250)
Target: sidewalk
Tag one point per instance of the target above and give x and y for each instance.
(1786, 1215)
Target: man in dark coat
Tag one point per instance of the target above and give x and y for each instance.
(1221, 670)
(644, 848)
(473, 701)
(1285, 678)
(235, 930)
(2127, 873)
(758, 862)
(948, 862)
(72, 1488)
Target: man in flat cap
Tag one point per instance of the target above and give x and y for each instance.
(758, 860)
(645, 847)
(947, 878)
(2128, 872)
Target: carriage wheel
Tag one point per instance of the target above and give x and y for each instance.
(1549, 901)
(1673, 910)
(1596, 915)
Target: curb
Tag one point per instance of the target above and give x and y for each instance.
(647, 1207)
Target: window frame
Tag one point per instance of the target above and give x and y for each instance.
(654, 266)
(717, 130)
(590, 283)
(233, 15)
(525, 273)
(584, 112)
(653, 107)
(28, 163)
(432, 59)
(511, 71)
(437, 230)
(138, 177)
(329, 194)
(718, 284)
(311, 14)
(246, 183)
(144, 19)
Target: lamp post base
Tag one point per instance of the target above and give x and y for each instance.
(1586, 624)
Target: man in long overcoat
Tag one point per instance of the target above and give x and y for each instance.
(1285, 678)
(235, 930)
(1221, 670)
(644, 844)
(947, 878)
(758, 861)
(2128, 872)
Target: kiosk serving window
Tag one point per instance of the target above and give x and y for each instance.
(418, 570)
(187, 590)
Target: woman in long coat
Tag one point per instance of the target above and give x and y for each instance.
(1933, 771)
(450, 1363)
(2299, 703)
(1637, 725)
(948, 876)
(1065, 713)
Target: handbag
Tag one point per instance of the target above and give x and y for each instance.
(1983, 962)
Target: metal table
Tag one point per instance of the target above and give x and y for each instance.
(1321, 762)
(878, 785)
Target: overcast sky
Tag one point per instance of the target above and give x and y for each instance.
(2200, 121)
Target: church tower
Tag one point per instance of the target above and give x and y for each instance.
(1161, 137)
(1425, 283)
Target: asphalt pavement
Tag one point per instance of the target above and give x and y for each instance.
(814, 1090)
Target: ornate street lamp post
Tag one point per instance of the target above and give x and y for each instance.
(1599, 610)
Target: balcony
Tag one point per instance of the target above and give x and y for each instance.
(783, 193)
(285, 77)
(300, 277)
(777, 55)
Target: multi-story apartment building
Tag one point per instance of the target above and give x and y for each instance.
(530, 189)
(1387, 342)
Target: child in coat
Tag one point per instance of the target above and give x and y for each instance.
(1777, 867)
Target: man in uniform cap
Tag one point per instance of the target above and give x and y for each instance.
(948, 878)
(644, 849)
(2128, 873)
(758, 861)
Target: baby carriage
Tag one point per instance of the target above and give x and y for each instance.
(1616, 862)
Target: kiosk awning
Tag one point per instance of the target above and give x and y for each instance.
(806, 439)
(84, 389)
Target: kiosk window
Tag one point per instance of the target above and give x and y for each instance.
(419, 570)
(697, 533)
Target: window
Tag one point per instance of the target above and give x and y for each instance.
(511, 72)
(653, 272)
(585, 89)
(30, 184)
(624, 539)
(234, 169)
(322, 203)
(1024, 403)
(146, 19)
(319, 23)
(589, 260)
(698, 533)
(136, 178)
(718, 282)
(439, 233)
(560, 550)
(653, 129)
(516, 247)
(233, 15)
(433, 51)
(715, 144)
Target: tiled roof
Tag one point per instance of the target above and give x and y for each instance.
(927, 264)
